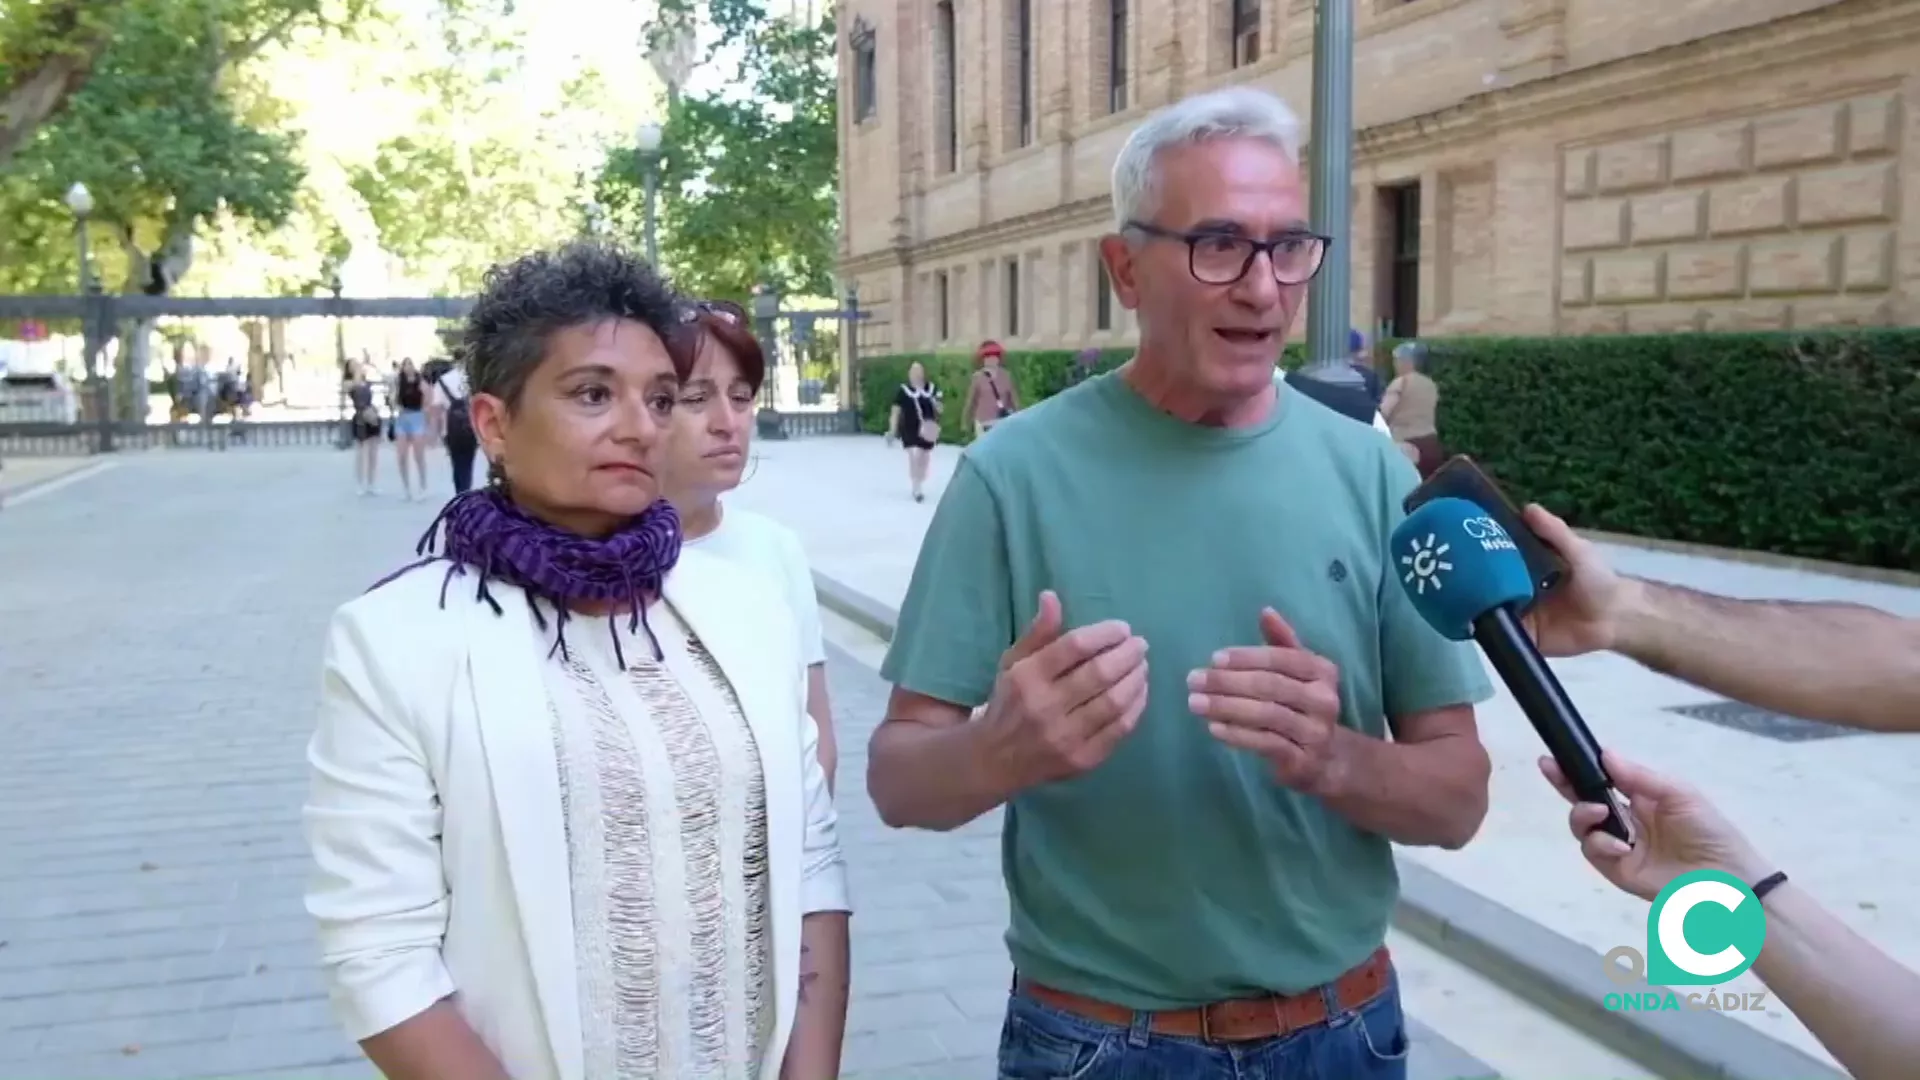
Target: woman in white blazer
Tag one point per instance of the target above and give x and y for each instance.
(567, 813)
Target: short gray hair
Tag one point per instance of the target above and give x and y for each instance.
(1233, 112)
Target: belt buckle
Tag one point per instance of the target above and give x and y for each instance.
(1282, 1026)
(1275, 1004)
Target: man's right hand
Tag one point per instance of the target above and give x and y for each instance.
(1064, 699)
(1582, 614)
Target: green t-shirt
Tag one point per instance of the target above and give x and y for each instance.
(1180, 872)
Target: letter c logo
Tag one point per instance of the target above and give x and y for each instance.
(1673, 928)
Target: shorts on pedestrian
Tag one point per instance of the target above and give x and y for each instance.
(410, 424)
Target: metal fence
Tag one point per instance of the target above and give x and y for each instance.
(806, 354)
(803, 392)
(74, 440)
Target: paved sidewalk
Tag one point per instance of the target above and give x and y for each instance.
(19, 475)
(160, 629)
(847, 497)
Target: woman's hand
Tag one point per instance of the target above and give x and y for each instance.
(1676, 831)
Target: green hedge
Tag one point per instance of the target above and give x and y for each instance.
(1802, 444)
(1039, 374)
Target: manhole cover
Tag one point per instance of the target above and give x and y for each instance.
(1762, 722)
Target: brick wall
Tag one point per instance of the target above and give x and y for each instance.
(1783, 219)
(1637, 165)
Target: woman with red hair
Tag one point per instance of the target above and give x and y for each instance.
(992, 395)
(705, 456)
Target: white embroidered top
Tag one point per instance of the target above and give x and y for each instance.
(666, 814)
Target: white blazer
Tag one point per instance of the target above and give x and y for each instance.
(434, 779)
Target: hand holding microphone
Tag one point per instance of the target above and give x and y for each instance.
(1467, 579)
(1584, 613)
(1676, 831)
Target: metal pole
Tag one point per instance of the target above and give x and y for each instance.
(1330, 191)
(340, 348)
(86, 258)
(850, 357)
(766, 314)
(90, 326)
(97, 323)
(653, 191)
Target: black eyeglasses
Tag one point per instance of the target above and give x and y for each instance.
(1216, 257)
(724, 309)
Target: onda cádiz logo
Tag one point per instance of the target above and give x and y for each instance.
(1426, 564)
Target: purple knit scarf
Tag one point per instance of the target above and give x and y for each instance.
(485, 532)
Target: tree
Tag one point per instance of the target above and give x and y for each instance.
(482, 170)
(47, 50)
(160, 135)
(748, 174)
(176, 135)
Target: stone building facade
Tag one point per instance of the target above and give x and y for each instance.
(1521, 166)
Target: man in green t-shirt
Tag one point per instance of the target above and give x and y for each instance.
(1166, 591)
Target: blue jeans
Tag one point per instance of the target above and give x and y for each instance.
(1039, 1042)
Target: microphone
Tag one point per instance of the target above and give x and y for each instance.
(1467, 578)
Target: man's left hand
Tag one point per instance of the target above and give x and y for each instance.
(1280, 701)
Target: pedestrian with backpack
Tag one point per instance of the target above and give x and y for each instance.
(454, 420)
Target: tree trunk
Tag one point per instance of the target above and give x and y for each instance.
(174, 258)
(41, 90)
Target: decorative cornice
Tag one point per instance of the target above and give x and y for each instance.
(1390, 15)
(1519, 16)
(1835, 32)
(1005, 233)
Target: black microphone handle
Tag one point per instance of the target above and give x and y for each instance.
(1552, 713)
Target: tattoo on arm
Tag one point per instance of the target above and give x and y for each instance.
(808, 976)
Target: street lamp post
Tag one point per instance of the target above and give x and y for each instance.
(766, 314)
(80, 201)
(1330, 189)
(647, 139)
(339, 340)
(850, 351)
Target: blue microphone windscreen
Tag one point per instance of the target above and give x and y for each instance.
(1457, 564)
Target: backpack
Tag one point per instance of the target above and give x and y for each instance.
(459, 417)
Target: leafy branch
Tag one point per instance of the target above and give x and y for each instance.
(729, 221)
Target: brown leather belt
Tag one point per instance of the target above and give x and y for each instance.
(1234, 1021)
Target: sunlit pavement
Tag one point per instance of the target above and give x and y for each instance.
(160, 631)
(847, 497)
(160, 627)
